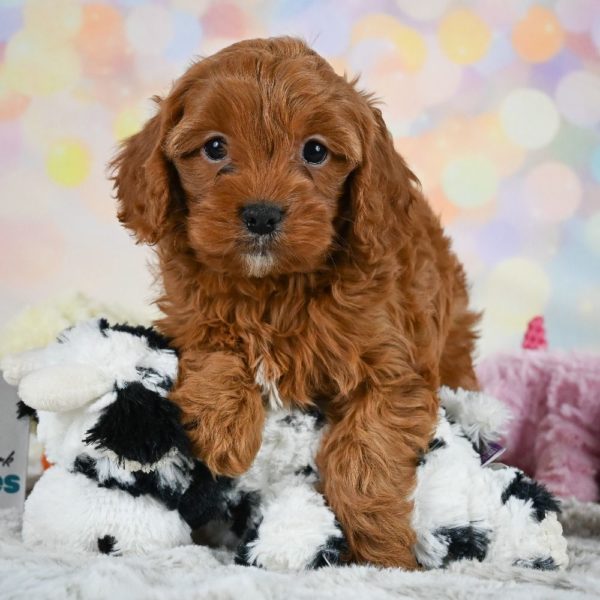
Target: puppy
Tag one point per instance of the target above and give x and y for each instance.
(301, 265)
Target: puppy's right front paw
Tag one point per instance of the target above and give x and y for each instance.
(227, 450)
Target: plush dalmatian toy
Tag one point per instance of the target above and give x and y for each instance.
(121, 459)
(124, 480)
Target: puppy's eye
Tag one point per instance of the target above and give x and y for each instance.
(215, 149)
(314, 152)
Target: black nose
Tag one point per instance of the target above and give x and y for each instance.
(262, 217)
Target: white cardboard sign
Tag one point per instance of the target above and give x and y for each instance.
(14, 443)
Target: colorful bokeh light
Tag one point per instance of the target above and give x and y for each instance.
(495, 104)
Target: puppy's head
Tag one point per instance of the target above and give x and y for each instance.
(263, 159)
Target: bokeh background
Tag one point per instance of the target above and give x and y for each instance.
(495, 104)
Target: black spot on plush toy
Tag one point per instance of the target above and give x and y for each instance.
(123, 479)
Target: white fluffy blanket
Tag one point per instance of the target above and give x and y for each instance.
(198, 572)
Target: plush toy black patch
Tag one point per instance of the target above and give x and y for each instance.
(541, 499)
(140, 426)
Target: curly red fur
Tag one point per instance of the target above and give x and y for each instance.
(361, 306)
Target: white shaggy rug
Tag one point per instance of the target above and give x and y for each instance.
(198, 572)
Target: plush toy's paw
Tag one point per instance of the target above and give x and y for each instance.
(332, 554)
(528, 532)
(546, 546)
(70, 511)
(298, 531)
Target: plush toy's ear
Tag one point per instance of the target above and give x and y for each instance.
(140, 426)
(15, 366)
(63, 387)
(482, 417)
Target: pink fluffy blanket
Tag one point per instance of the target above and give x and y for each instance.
(554, 435)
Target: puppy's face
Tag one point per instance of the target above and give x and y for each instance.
(260, 141)
(262, 163)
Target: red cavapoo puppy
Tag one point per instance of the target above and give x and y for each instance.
(297, 253)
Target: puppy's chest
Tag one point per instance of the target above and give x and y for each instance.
(291, 375)
(267, 379)
(298, 355)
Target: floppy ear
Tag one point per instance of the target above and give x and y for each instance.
(379, 188)
(64, 387)
(144, 178)
(16, 366)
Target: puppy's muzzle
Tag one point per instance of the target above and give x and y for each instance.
(261, 218)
